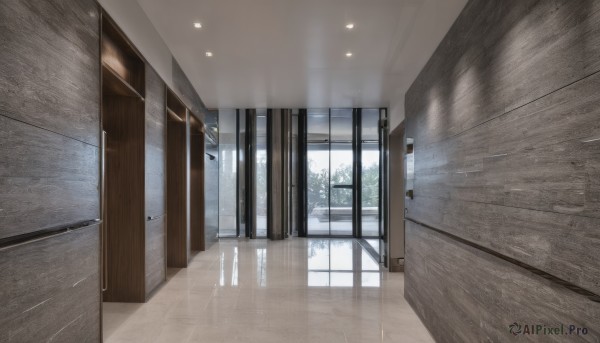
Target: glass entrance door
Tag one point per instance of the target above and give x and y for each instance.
(330, 173)
(343, 174)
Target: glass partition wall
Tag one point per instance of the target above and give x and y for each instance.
(227, 173)
(260, 178)
(334, 180)
(370, 178)
(343, 174)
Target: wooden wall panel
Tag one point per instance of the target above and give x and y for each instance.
(124, 123)
(46, 180)
(49, 70)
(177, 212)
(505, 122)
(197, 225)
(466, 295)
(50, 289)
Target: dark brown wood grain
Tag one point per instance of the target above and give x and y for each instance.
(178, 233)
(49, 70)
(123, 120)
(197, 239)
(46, 180)
(121, 58)
(50, 289)
(465, 295)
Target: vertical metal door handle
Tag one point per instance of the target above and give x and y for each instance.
(104, 216)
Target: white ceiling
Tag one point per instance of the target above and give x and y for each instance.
(291, 53)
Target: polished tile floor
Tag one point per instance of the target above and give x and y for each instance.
(298, 290)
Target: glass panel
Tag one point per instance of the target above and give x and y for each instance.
(261, 173)
(242, 172)
(370, 190)
(370, 124)
(317, 125)
(341, 207)
(227, 173)
(341, 125)
(294, 176)
(317, 183)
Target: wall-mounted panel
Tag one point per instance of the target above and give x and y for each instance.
(53, 292)
(46, 180)
(155, 192)
(504, 119)
(178, 233)
(529, 176)
(49, 70)
(155, 144)
(155, 265)
(500, 55)
(466, 295)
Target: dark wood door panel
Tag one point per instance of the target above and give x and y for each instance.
(463, 294)
(50, 69)
(178, 232)
(197, 222)
(46, 180)
(561, 245)
(50, 289)
(502, 56)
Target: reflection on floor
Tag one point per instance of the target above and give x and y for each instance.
(374, 243)
(298, 290)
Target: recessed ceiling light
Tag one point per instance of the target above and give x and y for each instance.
(348, 54)
(350, 26)
(198, 25)
(209, 54)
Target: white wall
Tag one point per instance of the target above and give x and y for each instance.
(431, 23)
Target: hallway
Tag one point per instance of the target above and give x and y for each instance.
(298, 290)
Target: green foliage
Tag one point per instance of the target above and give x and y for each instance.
(318, 187)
